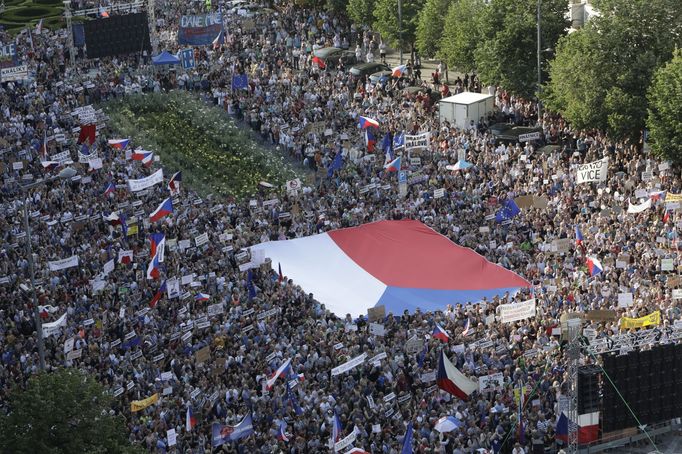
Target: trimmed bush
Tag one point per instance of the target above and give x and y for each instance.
(214, 154)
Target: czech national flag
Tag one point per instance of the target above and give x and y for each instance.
(49, 165)
(440, 333)
(42, 150)
(370, 140)
(110, 189)
(319, 62)
(561, 432)
(666, 216)
(393, 166)
(162, 211)
(282, 370)
(190, 420)
(202, 297)
(578, 235)
(449, 379)
(113, 219)
(399, 71)
(336, 427)
(459, 165)
(366, 122)
(467, 328)
(594, 266)
(158, 295)
(119, 144)
(657, 195)
(219, 40)
(140, 154)
(158, 244)
(281, 432)
(174, 183)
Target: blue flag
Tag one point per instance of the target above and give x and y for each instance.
(250, 286)
(509, 210)
(240, 82)
(387, 145)
(399, 140)
(294, 402)
(407, 441)
(336, 164)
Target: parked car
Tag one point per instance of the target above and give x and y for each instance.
(332, 55)
(365, 69)
(503, 132)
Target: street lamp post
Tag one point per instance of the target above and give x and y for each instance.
(65, 173)
(539, 64)
(400, 29)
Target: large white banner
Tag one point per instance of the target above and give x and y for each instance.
(63, 264)
(633, 209)
(416, 142)
(348, 365)
(14, 73)
(53, 328)
(146, 182)
(490, 382)
(516, 311)
(593, 171)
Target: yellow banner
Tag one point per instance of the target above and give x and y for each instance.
(652, 319)
(138, 405)
(133, 230)
(670, 197)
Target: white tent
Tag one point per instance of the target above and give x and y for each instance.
(461, 109)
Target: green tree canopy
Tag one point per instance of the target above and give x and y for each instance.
(461, 34)
(506, 53)
(665, 110)
(430, 26)
(361, 11)
(386, 21)
(601, 72)
(62, 412)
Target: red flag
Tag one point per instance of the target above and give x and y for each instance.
(87, 132)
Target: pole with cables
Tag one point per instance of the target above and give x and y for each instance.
(31, 267)
(539, 56)
(400, 29)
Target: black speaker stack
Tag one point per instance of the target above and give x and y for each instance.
(589, 378)
(117, 35)
(651, 383)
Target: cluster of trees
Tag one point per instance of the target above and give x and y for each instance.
(614, 74)
(64, 411)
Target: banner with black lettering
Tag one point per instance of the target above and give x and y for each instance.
(593, 171)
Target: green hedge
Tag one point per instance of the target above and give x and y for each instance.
(27, 13)
(214, 154)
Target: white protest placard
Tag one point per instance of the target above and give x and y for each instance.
(593, 171)
(624, 299)
(537, 135)
(439, 193)
(377, 329)
(516, 311)
(641, 194)
(491, 382)
(215, 309)
(667, 264)
(677, 294)
(172, 437)
(376, 428)
(634, 209)
(201, 239)
(146, 182)
(14, 73)
(294, 185)
(63, 264)
(348, 365)
(418, 141)
(53, 327)
(345, 442)
(68, 345)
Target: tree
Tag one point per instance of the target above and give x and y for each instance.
(386, 21)
(430, 26)
(665, 110)
(461, 34)
(600, 74)
(507, 53)
(62, 412)
(360, 11)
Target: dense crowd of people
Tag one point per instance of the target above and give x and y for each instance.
(257, 321)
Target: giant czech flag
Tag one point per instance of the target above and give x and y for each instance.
(158, 245)
(403, 265)
(453, 381)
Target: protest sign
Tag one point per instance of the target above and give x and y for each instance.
(146, 182)
(653, 319)
(593, 171)
(348, 365)
(516, 311)
(63, 264)
(490, 382)
(376, 313)
(199, 30)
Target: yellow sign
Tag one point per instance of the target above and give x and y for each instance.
(670, 197)
(138, 405)
(652, 319)
(133, 229)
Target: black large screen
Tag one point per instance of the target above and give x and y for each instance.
(117, 35)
